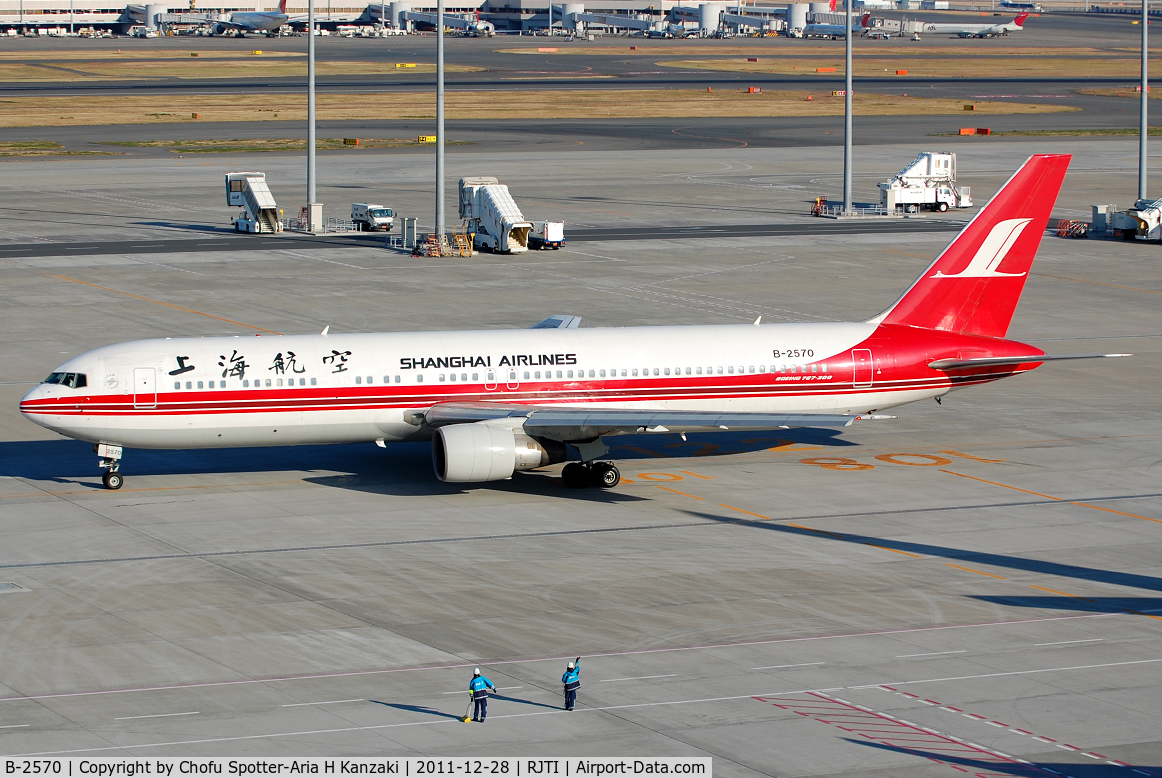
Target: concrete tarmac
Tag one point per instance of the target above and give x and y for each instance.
(972, 587)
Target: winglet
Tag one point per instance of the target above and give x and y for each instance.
(325, 329)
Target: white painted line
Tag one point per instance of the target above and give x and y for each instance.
(157, 716)
(994, 724)
(14, 726)
(1070, 642)
(493, 663)
(780, 667)
(328, 702)
(499, 689)
(639, 678)
(937, 653)
(1015, 672)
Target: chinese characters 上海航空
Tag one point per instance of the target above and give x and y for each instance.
(280, 365)
(338, 360)
(234, 366)
(182, 366)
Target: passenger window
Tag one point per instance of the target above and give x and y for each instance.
(667, 371)
(655, 371)
(358, 379)
(750, 369)
(475, 376)
(623, 372)
(246, 382)
(602, 374)
(441, 376)
(699, 370)
(730, 368)
(370, 379)
(814, 368)
(386, 379)
(463, 376)
(526, 375)
(178, 385)
(822, 368)
(452, 377)
(558, 374)
(278, 381)
(635, 372)
(762, 368)
(720, 370)
(687, 371)
(397, 380)
(570, 374)
(313, 380)
(419, 378)
(268, 382)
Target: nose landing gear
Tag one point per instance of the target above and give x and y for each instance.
(110, 460)
(578, 475)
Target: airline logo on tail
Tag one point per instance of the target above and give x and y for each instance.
(1020, 20)
(992, 252)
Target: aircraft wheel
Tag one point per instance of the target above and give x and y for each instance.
(943, 207)
(576, 475)
(606, 475)
(112, 480)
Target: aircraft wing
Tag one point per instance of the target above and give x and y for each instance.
(558, 321)
(582, 423)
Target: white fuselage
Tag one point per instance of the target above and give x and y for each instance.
(289, 390)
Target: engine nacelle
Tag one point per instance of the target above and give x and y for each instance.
(471, 453)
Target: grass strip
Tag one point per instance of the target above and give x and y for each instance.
(236, 145)
(52, 110)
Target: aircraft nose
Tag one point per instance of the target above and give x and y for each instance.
(34, 403)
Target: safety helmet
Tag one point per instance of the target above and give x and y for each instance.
(476, 671)
(571, 665)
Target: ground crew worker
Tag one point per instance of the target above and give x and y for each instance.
(479, 686)
(572, 680)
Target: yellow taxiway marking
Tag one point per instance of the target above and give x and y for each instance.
(1051, 497)
(168, 305)
(978, 572)
(748, 513)
(675, 491)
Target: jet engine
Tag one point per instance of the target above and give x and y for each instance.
(470, 453)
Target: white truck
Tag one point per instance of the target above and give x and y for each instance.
(492, 216)
(369, 216)
(260, 211)
(929, 182)
(547, 235)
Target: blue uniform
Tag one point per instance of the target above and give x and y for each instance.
(572, 681)
(479, 686)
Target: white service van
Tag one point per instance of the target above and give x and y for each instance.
(368, 216)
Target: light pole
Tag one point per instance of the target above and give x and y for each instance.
(440, 123)
(847, 119)
(1145, 97)
(314, 208)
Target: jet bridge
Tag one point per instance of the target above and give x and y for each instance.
(249, 191)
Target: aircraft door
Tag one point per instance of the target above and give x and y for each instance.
(490, 380)
(862, 367)
(511, 379)
(144, 387)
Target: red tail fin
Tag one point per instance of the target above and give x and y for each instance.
(974, 285)
(282, 6)
(1020, 20)
(863, 22)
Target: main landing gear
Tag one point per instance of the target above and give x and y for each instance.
(578, 475)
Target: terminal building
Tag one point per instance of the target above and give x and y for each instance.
(663, 17)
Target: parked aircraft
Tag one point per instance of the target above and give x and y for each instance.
(979, 30)
(497, 401)
(834, 31)
(242, 22)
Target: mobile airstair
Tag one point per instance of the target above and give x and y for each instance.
(260, 211)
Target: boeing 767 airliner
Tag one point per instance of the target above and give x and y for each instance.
(497, 401)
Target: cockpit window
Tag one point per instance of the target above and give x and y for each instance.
(71, 380)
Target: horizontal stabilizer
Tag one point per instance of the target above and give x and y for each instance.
(962, 364)
(558, 321)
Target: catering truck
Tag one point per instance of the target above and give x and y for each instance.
(929, 182)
